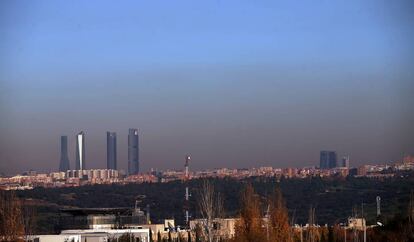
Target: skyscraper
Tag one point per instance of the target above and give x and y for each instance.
(133, 152)
(328, 159)
(111, 150)
(345, 161)
(64, 159)
(80, 151)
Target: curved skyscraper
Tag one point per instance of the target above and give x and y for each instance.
(64, 159)
(80, 151)
(111, 150)
(133, 152)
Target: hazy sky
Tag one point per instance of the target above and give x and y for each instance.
(233, 83)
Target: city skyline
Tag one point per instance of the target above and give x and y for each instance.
(111, 137)
(327, 160)
(274, 88)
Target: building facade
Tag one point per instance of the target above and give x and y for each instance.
(328, 160)
(133, 152)
(64, 158)
(111, 162)
(80, 151)
(345, 161)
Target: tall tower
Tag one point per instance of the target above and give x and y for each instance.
(111, 150)
(80, 151)
(345, 161)
(187, 194)
(133, 152)
(187, 162)
(64, 159)
(378, 199)
(328, 159)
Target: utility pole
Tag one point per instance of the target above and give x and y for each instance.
(148, 214)
(378, 206)
(187, 194)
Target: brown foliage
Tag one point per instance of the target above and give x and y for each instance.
(280, 229)
(250, 226)
(11, 222)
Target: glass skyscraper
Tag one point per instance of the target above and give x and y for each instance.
(64, 159)
(80, 151)
(133, 152)
(328, 159)
(111, 150)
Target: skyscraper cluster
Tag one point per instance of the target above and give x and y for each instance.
(329, 160)
(111, 152)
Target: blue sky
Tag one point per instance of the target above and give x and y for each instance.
(234, 83)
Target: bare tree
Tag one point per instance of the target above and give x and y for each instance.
(11, 225)
(28, 219)
(211, 207)
(313, 233)
(206, 204)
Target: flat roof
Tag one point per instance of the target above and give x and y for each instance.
(88, 211)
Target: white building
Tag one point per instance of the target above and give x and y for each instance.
(93, 235)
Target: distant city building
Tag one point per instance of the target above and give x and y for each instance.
(328, 159)
(80, 151)
(345, 161)
(133, 152)
(111, 150)
(64, 159)
(408, 159)
(362, 170)
(93, 174)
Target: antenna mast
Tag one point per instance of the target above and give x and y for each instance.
(187, 194)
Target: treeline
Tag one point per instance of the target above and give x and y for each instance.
(260, 204)
(334, 199)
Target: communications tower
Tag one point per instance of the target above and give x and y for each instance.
(187, 194)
